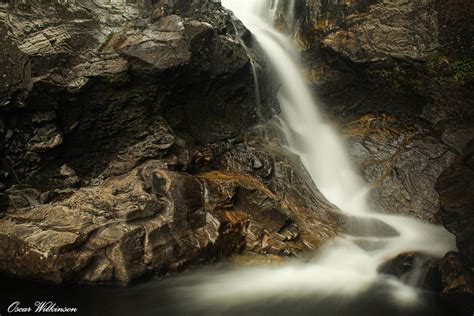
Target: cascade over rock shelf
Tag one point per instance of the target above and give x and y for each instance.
(123, 146)
(128, 140)
(400, 75)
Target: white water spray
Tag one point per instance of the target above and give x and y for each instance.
(341, 267)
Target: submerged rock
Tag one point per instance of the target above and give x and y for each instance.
(414, 269)
(368, 227)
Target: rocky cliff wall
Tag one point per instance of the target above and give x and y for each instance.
(86, 71)
(128, 146)
(398, 77)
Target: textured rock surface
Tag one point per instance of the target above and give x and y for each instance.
(122, 152)
(458, 282)
(158, 218)
(398, 76)
(81, 71)
(391, 29)
(456, 189)
(397, 56)
(401, 72)
(124, 148)
(401, 162)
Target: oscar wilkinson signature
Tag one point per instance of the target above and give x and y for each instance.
(39, 307)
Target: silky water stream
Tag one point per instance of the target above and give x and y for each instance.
(340, 279)
(341, 271)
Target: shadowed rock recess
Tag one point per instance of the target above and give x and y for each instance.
(126, 147)
(456, 189)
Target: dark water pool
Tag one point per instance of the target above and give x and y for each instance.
(161, 297)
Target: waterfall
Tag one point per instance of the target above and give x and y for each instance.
(341, 267)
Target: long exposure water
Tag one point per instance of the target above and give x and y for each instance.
(341, 268)
(340, 279)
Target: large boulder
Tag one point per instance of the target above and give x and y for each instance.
(159, 218)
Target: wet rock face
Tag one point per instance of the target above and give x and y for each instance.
(401, 162)
(389, 68)
(450, 276)
(122, 152)
(82, 71)
(400, 72)
(411, 24)
(159, 218)
(395, 57)
(358, 29)
(456, 32)
(456, 190)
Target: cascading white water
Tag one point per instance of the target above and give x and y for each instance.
(340, 267)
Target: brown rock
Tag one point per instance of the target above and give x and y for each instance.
(456, 189)
(458, 282)
(401, 163)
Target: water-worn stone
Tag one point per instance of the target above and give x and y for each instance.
(456, 189)
(391, 68)
(408, 267)
(154, 217)
(395, 57)
(368, 227)
(122, 151)
(401, 162)
(403, 69)
(81, 71)
(411, 24)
